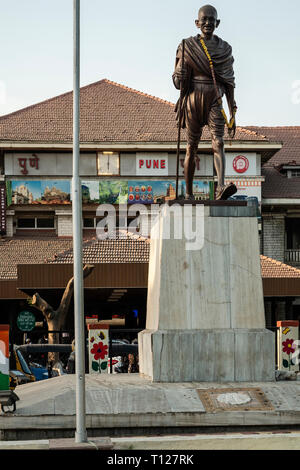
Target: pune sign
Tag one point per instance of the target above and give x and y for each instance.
(26, 321)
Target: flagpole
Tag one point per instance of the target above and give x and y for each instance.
(80, 434)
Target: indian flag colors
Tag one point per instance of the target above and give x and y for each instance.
(4, 357)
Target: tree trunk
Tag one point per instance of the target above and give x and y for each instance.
(56, 318)
(53, 338)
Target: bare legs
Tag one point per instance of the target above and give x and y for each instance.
(189, 168)
(219, 160)
(223, 191)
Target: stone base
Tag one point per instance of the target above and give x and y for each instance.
(210, 355)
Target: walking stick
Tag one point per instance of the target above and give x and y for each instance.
(179, 121)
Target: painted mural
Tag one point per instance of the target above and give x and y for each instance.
(38, 192)
(287, 345)
(98, 348)
(159, 192)
(113, 191)
(103, 191)
(90, 192)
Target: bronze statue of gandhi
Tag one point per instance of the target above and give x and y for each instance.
(204, 73)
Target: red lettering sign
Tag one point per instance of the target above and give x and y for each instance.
(23, 165)
(33, 162)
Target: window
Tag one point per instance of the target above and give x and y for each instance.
(45, 223)
(88, 222)
(36, 222)
(26, 223)
(91, 222)
(108, 163)
(295, 174)
(292, 233)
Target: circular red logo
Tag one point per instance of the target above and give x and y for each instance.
(240, 164)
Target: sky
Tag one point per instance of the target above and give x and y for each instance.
(134, 43)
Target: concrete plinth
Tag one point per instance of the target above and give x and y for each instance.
(205, 309)
(216, 355)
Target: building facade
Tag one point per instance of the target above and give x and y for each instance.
(127, 156)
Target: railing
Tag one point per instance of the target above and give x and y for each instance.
(292, 256)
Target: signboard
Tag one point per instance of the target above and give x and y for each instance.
(242, 164)
(159, 192)
(155, 164)
(27, 164)
(4, 357)
(26, 321)
(2, 208)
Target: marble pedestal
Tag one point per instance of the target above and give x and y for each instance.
(205, 309)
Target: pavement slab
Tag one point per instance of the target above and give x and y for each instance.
(123, 401)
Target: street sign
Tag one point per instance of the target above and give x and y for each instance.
(26, 321)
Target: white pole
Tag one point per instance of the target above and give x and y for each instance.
(80, 435)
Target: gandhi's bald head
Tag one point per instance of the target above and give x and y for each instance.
(207, 20)
(208, 9)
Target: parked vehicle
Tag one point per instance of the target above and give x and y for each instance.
(20, 371)
(22, 358)
(24, 370)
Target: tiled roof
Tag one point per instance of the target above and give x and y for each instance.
(271, 268)
(289, 136)
(130, 249)
(14, 251)
(110, 112)
(279, 186)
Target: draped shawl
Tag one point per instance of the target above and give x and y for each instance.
(196, 60)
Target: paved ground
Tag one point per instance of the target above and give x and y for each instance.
(259, 441)
(125, 401)
(255, 441)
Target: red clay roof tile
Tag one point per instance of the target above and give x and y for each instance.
(132, 249)
(110, 112)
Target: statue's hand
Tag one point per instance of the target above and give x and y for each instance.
(181, 74)
(232, 131)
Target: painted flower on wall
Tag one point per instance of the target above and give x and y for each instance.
(99, 351)
(288, 346)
